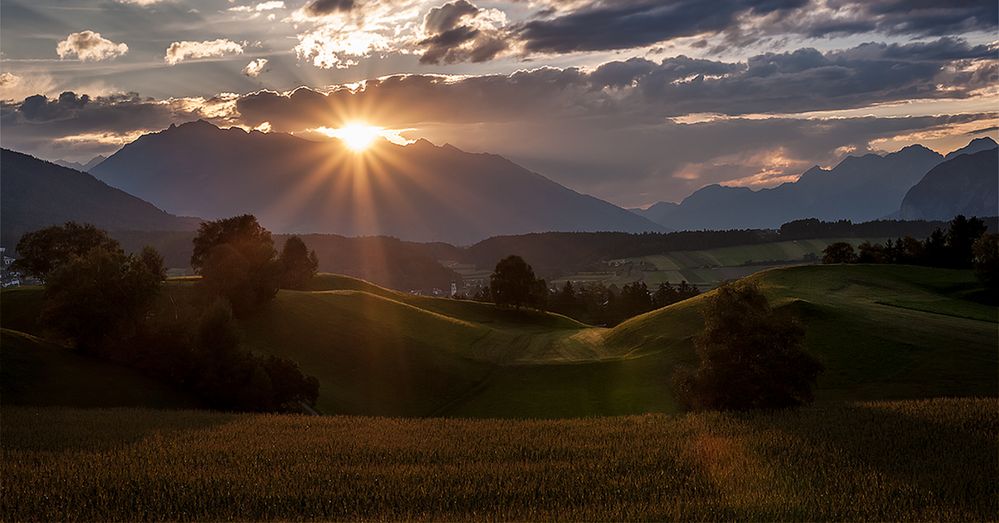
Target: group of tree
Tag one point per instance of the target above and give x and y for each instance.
(103, 301)
(237, 260)
(964, 245)
(599, 304)
(514, 284)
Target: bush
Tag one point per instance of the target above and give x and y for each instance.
(750, 356)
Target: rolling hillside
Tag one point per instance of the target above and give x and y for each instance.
(36, 372)
(883, 332)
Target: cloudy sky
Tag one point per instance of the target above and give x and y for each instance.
(633, 101)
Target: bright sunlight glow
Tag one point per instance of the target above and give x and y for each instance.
(355, 135)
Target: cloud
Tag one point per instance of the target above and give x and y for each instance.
(460, 31)
(143, 3)
(258, 8)
(640, 91)
(633, 23)
(89, 45)
(180, 51)
(255, 67)
(81, 126)
(325, 7)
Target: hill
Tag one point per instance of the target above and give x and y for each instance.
(35, 194)
(36, 372)
(883, 332)
(418, 192)
(966, 184)
(859, 188)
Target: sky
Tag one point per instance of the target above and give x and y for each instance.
(632, 101)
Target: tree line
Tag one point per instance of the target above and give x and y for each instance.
(109, 304)
(513, 283)
(964, 245)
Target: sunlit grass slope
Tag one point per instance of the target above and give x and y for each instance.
(37, 372)
(931, 460)
(883, 332)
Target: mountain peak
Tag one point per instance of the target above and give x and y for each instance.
(974, 146)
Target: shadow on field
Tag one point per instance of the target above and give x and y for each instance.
(934, 459)
(62, 429)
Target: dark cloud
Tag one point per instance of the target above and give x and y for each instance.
(457, 34)
(325, 7)
(624, 24)
(40, 125)
(915, 17)
(641, 90)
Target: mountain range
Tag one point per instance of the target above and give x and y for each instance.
(418, 192)
(35, 194)
(859, 188)
(967, 184)
(84, 167)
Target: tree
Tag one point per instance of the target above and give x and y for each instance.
(236, 259)
(935, 249)
(513, 283)
(961, 237)
(750, 356)
(42, 251)
(90, 297)
(986, 260)
(298, 264)
(872, 253)
(839, 252)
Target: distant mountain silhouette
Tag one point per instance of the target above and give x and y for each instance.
(84, 167)
(966, 184)
(860, 188)
(418, 192)
(35, 194)
(974, 146)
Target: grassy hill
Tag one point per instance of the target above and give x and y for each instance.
(37, 372)
(707, 268)
(930, 460)
(883, 332)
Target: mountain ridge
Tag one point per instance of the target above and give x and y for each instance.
(858, 188)
(36, 193)
(419, 192)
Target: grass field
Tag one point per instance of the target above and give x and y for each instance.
(36, 372)
(707, 268)
(932, 460)
(883, 332)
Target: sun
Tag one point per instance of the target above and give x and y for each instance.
(357, 136)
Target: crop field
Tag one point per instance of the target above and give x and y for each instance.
(882, 332)
(931, 460)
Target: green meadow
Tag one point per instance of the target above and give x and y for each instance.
(882, 332)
